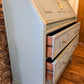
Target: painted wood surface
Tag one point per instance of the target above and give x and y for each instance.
(26, 37)
(51, 10)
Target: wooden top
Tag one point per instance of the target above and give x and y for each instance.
(54, 10)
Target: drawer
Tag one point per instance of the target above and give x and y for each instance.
(74, 31)
(55, 69)
(72, 48)
(57, 41)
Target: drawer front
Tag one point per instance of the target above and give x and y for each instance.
(72, 48)
(59, 67)
(73, 31)
(59, 42)
(61, 61)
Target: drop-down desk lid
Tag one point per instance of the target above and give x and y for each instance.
(54, 10)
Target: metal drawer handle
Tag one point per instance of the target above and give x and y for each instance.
(63, 63)
(63, 42)
(76, 31)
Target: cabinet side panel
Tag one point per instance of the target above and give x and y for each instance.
(26, 40)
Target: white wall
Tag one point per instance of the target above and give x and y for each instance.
(74, 4)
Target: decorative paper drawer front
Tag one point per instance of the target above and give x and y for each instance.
(55, 69)
(56, 42)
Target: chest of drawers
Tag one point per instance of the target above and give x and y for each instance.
(42, 35)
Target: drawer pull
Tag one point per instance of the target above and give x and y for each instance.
(63, 42)
(76, 31)
(63, 63)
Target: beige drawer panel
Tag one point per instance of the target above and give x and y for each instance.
(72, 48)
(74, 31)
(59, 66)
(58, 41)
(55, 69)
